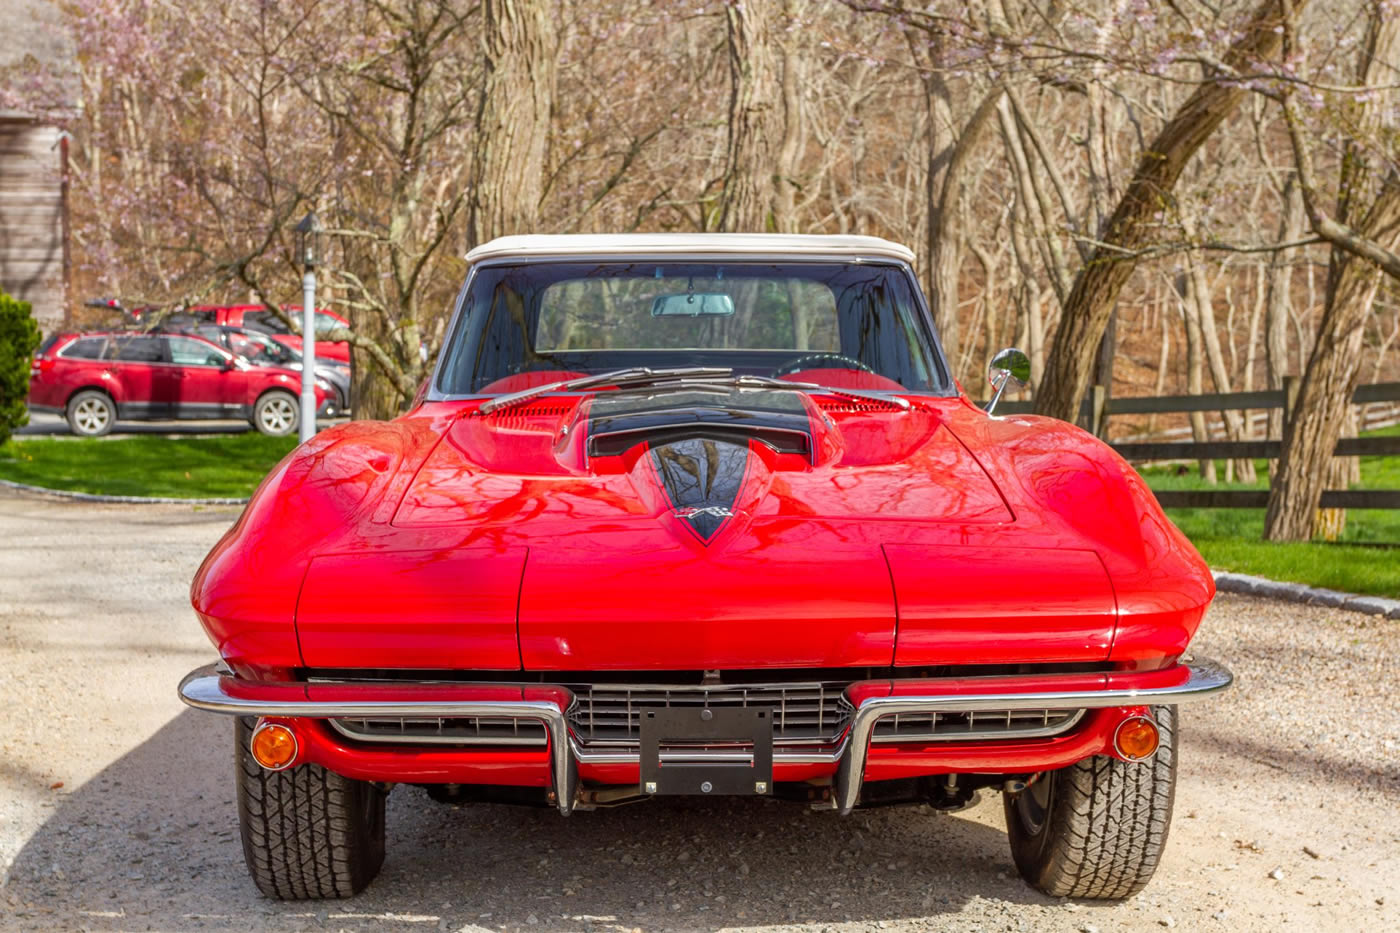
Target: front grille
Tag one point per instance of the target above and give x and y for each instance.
(457, 730)
(803, 713)
(979, 724)
(811, 713)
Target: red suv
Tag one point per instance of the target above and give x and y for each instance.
(94, 379)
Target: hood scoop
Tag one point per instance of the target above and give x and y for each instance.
(779, 420)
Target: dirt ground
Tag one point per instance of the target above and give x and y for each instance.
(117, 809)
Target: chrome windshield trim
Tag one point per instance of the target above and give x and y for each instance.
(949, 390)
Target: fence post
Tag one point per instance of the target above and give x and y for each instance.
(1290, 402)
(1098, 397)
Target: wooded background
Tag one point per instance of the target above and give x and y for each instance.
(1157, 197)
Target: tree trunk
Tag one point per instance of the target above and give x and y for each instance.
(1190, 314)
(1200, 293)
(793, 141)
(520, 48)
(1333, 370)
(945, 189)
(1279, 300)
(755, 93)
(1129, 229)
(1358, 256)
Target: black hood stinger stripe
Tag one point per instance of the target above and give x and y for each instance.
(702, 477)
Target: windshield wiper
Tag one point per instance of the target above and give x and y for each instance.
(771, 382)
(632, 376)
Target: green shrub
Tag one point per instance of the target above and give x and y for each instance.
(19, 338)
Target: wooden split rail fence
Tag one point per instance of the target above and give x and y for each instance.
(1097, 407)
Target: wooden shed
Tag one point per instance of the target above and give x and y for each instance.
(33, 211)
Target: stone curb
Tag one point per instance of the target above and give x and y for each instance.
(1248, 585)
(120, 500)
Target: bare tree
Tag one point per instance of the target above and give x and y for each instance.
(1364, 238)
(519, 46)
(755, 117)
(1101, 279)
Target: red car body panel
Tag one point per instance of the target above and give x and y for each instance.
(458, 608)
(162, 389)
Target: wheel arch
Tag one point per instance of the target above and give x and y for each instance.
(105, 389)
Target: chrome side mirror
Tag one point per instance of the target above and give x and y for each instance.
(1008, 366)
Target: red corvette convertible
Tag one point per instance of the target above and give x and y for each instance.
(703, 515)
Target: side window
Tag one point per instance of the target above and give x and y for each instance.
(134, 350)
(187, 352)
(265, 322)
(84, 348)
(325, 323)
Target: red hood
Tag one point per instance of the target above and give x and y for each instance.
(585, 535)
(532, 464)
(762, 553)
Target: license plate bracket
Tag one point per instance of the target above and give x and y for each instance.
(743, 726)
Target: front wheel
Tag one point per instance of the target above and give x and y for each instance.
(1097, 828)
(277, 414)
(307, 832)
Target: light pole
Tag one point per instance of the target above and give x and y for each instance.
(309, 246)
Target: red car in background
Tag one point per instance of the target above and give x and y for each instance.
(259, 318)
(94, 379)
(256, 317)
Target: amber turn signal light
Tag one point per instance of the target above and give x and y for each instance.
(274, 746)
(1136, 738)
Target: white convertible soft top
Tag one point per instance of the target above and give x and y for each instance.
(796, 245)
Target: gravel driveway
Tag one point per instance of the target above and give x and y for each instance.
(117, 810)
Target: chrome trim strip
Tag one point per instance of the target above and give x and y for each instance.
(203, 689)
(784, 755)
(1206, 679)
(405, 739)
(1041, 732)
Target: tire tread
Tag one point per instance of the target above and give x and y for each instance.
(304, 830)
(1107, 825)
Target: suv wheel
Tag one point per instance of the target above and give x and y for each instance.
(1097, 828)
(277, 414)
(307, 832)
(91, 413)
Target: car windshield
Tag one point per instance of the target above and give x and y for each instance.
(846, 325)
(256, 348)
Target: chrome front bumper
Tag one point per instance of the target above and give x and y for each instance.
(218, 691)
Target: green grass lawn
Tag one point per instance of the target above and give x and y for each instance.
(1365, 560)
(226, 465)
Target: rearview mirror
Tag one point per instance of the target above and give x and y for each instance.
(1007, 367)
(692, 304)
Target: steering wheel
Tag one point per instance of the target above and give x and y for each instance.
(805, 362)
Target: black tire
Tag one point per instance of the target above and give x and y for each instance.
(307, 832)
(277, 413)
(91, 413)
(1096, 829)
